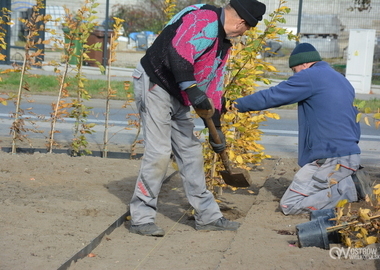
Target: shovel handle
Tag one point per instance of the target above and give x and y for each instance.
(215, 136)
(207, 114)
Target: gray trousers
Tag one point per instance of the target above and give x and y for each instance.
(168, 127)
(321, 185)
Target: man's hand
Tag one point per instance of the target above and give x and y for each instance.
(218, 148)
(198, 98)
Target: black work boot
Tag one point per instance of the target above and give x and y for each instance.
(221, 224)
(149, 229)
(363, 183)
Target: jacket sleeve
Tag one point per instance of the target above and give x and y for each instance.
(297, 88)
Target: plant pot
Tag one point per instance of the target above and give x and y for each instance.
(314, 233)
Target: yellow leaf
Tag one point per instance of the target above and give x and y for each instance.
(342, 203)
(337, 166)
(272, 115)
(365, 211)
(377, 186)
(231, 154)
(359, 244)
(367, 110)
(358, 116)
(363, 215)
(271, 68)
(371, 240)
(239, 159)
(363, 231)
(376, 191)
(366, 121)
(347, 241)
(333, 182)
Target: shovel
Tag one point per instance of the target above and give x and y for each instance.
(235, 177)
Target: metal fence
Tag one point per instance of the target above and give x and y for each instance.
(16, 32)
(327, 25)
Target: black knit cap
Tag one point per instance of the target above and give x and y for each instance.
(251, 11)
(303, 53)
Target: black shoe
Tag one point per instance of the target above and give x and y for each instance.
(221, 224)
(362, 183)
(149, 229)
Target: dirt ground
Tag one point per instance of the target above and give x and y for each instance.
(53, 205)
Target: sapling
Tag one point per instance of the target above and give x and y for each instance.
(110, 92)
(245, 69)
(34, 24)
(78, 27)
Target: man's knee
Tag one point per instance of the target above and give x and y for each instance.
(290, 206)
(286, 206)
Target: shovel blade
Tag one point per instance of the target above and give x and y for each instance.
(237, 177)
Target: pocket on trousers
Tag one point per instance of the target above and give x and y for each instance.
(137, 74)
(138, 86)
(321, 177)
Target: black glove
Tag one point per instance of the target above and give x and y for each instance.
(218, 147)
(198, 98)
(215, 146)
(224, 103)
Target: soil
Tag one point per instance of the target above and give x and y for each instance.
(54, 205)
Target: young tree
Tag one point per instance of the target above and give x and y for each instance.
(34, 25)
(245, 69)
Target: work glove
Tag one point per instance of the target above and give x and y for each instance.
(198, 98)
(224, 104)
(218, 147)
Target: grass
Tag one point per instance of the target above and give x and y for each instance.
(49, 85)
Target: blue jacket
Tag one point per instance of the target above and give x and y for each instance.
(326, 115)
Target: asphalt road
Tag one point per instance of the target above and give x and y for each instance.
(279, 139)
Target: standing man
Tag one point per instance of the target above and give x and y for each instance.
(184, 66)
(328, 150)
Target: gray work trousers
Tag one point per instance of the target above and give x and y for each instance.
(321, 185)
(168, 127)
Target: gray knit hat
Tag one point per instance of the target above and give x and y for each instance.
(303, 53)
